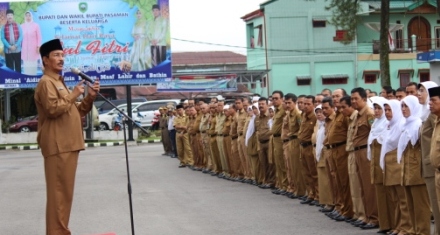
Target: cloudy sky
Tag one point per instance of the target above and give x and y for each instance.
(209, 21)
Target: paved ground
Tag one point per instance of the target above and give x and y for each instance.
(166, 199)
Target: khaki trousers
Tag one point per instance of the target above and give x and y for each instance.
(280, 166)
(243, 157)
(194, 143)
(60, 171)
(298, 177)
(206, 151)
(385, 207)
(215, 155)
(201, 158)
(355, 189)
(222, 156)
(419, 209)
(368, 191)
(227, 145)
(325, 193)
(267, 169)
(256, 171)
(310, 173)
(430, 186)
(288, 162)
(184, 149)
(401, 218)
(166, 142)
(235, 159)
(341, 179)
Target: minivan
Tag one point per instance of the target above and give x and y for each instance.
(146, 110)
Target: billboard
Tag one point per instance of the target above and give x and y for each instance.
(200, 83)
(121, 42)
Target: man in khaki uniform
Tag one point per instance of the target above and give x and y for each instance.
(308, 122)
(184, 152)
(240, 118)
(192, 134)
(235, 163)
(165, 136)
(215, 155)
(227, 141)
(60, 135)
(292, 153)
(363, 124)
(278, 154)
(263, 136)
(434, 106)
(200, 163)
(355, 188)
(204, 126)
(337, 160)
(219, 123)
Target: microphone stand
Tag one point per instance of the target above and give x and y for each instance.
(127, 118)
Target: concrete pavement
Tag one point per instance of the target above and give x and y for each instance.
(167, 200)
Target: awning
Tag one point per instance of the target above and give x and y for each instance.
(422, 70)
(400, 71)
(304, 77)
(376, 72)
(333, 76)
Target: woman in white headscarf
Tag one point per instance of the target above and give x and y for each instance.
(409, 155)
(248, 166)
(325, 196)
(392, 169)
(375, 140)
(428, 172)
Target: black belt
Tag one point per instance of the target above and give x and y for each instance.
(360, 147)
(194, 134)
(203, 132)
(163, 128)
(305, 144)
(225, 135)
(234, 137)
(263, 141)
(314, 145)
(276, 135)
(290, 138)
(214, 135)
(286, 140)
(240, 134)
(332, 146)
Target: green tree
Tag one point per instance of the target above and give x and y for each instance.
(384, 47)
(344, 17)
(22, 7)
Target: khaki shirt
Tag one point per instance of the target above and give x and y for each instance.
(280, 113)
(262, 127)
(204, 123)
(197, 122)
(435, 145)
(351, 126)
(285, 127)
(308, 123)
(336, 127)
(294, 122)
(426, 137)
(212, 121)
(227, 126)
(180, 121)
(191, 125)
(163, 121)
(240, 117)
(364, 121)
(59, 116)
(219, 123)
(233, 131)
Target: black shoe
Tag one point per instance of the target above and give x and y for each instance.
(341, 218)
(308, 201)
(303, 198)
(254, 183)
(385, 231)
(283, 192)
(369, 226)
(314, 203)
(205, 171)
(182, 165)
(221, 175)
(335, 215)
(292, 196)
(326, 210)
(276, 191)
(359, 223)
(214, 173)
(332, 213)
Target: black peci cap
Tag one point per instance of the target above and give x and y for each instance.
(435, 91)
(49, 46)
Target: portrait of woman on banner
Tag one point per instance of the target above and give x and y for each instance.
(140, 57)
(31, 44)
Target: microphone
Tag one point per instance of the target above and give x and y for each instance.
(82, 75)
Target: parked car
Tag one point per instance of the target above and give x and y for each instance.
(106, 120)
(146, 110)
(104, 107)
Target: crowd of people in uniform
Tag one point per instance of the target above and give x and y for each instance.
(372, 161)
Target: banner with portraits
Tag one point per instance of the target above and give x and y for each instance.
(120, 42)
(200, 83)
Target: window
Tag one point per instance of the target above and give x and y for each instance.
(260, 35)
(399, 39)
(371, 76)
(437, 37)
(319, 23)
(263, 82)
(405, 76)
(341, 35)
(303, 80)
(253, 86)
(250, 32)
(423, 74)
(334, 79)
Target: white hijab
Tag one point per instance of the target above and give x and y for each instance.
(251, 126)
(424, 114)
(270, 122)
(379, 125)
(392, 134)
(411, 128)
(320, 135)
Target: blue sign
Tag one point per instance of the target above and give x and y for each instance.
(121, 42)
(430, 56)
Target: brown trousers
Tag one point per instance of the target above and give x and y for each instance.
(325, 193)
(430, 186)
(243, 157)
(401, 219)
(280, 166)
(184, 151)
(215, 156)
(194, 142)
(227, 145)
(288, 161)
(256, 168)
(206, 151)
(419, 209)
(60, 171)
(385, 207)
(355, 189)
(298, 177)
(310, 173)
(222, 155)
(368, 191)
(268, 169)
(201, 158)
(235, 159)
(166, 142)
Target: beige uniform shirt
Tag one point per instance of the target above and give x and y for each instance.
(435, 145)
(364, 121)
(278, 118)
(350, 131)
(204, 123)
(219, 123)
(308, 123)
(336, 129)
(241, 120)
